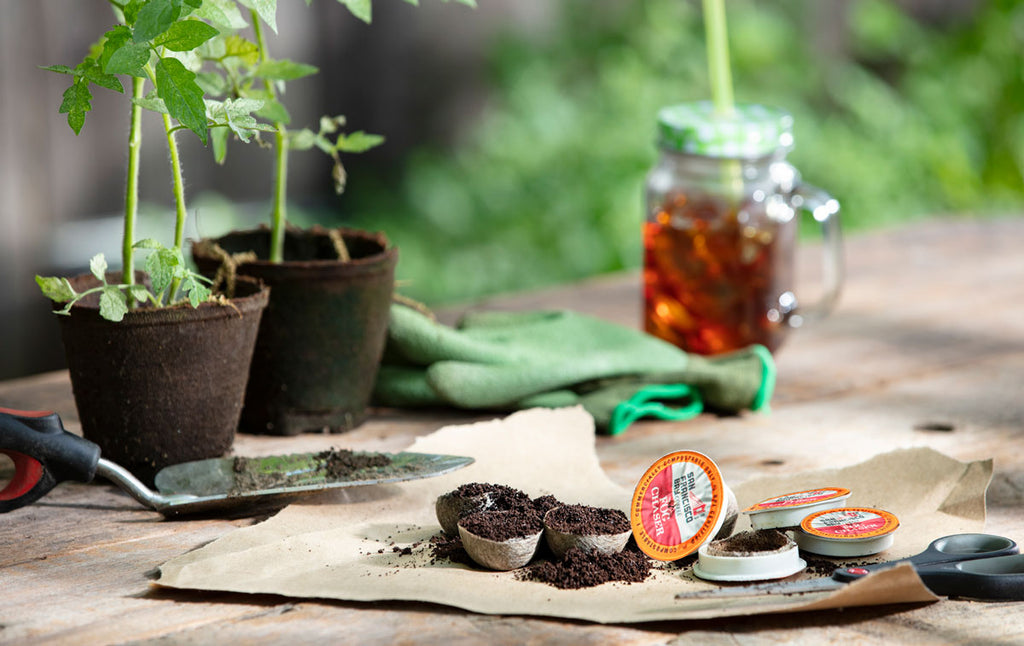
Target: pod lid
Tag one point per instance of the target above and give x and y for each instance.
(798, 499)
(678, 505)
(850, 524)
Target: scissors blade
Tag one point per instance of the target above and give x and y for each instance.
(771, 588)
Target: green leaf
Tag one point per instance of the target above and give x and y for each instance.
(55, 288)
(162, 265)
(98, 267)
(283, 70)
(113, 303)
(152, 103)
(129, 59)
(212, 83)
(247, 51)
(108, 81)
(154, 18)
(184, 98)
(131, 11)
(198, 293)
(60, 69)
(358, 142)
(147, 243)
(219, 143)
(223, 13)
(138, 292)
(185, 35)
(414, 3)
(265, 9)
(275, 112)
(359, 8)
(301, 139)
(77, 101)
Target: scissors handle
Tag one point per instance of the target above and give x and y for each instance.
(43, 453)
(956, 549)
(998, 577)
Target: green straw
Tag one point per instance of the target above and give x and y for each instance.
(718, 57)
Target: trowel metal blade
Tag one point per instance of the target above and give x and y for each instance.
(206, 485)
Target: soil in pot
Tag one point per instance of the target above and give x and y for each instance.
(322, 336)
(163, 386)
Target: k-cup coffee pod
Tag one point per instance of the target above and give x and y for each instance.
(847, 532)
(759, 555)
(680, 503)
(789, 509)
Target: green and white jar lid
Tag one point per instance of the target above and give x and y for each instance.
(751, 131)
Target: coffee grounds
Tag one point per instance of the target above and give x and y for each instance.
(449, 548)
(825, 567)
(582, 520)
(579, 569)
(503, 525)
(501, 497)
(750, 543)
(544, 504)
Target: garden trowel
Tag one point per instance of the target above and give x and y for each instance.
(44, 454)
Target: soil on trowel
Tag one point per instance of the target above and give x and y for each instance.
(334, 465)
(339, 464)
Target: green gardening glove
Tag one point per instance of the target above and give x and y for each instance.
(515, 360)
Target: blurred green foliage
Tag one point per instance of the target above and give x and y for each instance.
(897, 118)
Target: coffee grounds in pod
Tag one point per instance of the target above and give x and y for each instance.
(680, 503)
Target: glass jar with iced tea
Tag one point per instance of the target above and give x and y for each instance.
(721, 229)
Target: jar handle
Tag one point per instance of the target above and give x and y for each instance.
(825, 210)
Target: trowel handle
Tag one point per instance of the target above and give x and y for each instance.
(43, 453)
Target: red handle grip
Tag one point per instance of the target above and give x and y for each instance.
(43, 453)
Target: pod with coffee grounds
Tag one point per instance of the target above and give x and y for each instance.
(501, 540)
(472, 497)
(589, 529)
(758, 555)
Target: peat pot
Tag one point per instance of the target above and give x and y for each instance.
(162, 386)
(322, 336)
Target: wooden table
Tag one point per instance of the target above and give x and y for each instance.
(926, 348)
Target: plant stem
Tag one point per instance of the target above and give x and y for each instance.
(131, 195)
(718, 56)
(279, 217)
(179, 198)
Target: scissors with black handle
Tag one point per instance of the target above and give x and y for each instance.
(980, 566)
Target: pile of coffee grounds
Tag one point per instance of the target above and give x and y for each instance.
(512, 513)
(585, 521)
(448, 548)
(579, 569)
(750, 543)
(503, 525)
(339, 464)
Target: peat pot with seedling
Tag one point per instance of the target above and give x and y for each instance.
(158, 362)
(322, 336)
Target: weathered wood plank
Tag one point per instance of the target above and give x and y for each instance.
(929, 336)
